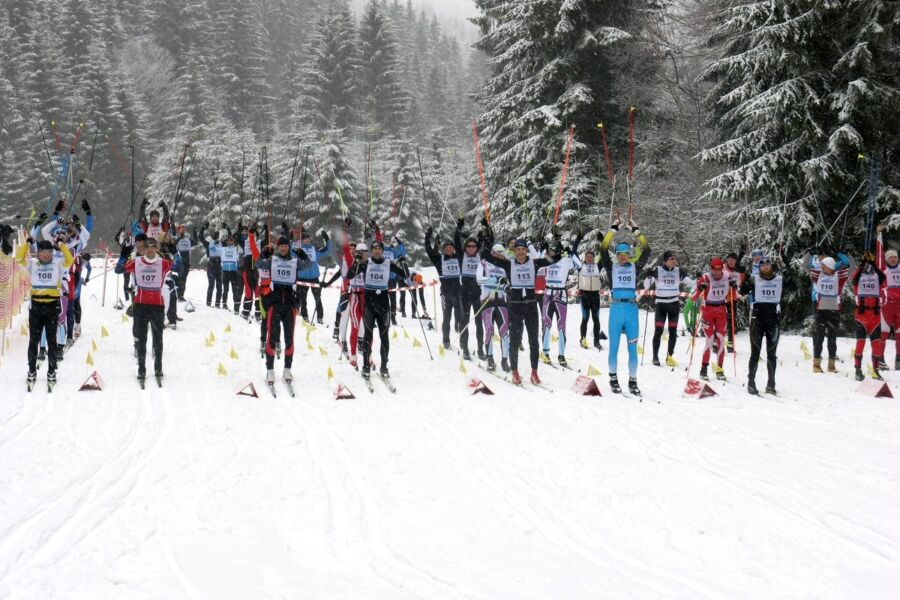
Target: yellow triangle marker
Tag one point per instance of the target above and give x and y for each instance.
(234, 354)
(309, 345)
(807, 355)
(209, 343)
(212, 336)
(222, 370)
(394, 334)
(554, 338)
(104, 332)
(228, 328)
(90, 359)
(405, 334)
(24, 330)
(441, 351)
(593, 371)
(124, 318)
(640, 350)
(462, 367)
(323, 351)
(330, 373)
(417, 343)
(94, 346)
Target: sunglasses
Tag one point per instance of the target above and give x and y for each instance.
(471, 245)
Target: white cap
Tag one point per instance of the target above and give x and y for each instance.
(498, 248)
(829, 262)
(362, 247)
(890, 254)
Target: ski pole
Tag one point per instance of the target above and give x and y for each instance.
(477, 314)
(696, 328)
(421, 324)
(733, 336)
(644, 343)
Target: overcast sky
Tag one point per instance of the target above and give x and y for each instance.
(452, 12)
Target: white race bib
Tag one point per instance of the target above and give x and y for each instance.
(868, 285)
(768, 291)
(718, 290)
(470, 265)
(284, 272)
(624, 277)
(522, 275)
(45, 277)
(377, 275)
(667, 282)
(893, 276)
(148, 276)
(450, 267)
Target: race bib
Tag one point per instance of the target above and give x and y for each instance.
(624, 277)
(768, 291)
(522, 275)
(377, 275)
(284, 272)
(450, 267)
(148, 276)
(868, 285)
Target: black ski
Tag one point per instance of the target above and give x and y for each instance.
(387, 381)
(369, 383)
(159, 380)
(290, 387)
(142, 381)
(272, 389)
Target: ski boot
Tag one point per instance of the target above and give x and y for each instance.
(366, 372)
(466, 355)
(729, 346)
(859, 374)
(770, 388)
(751, 388)
(481, 354)
(875, 374)
(881, 365)
(534, 377)
(142, 377)
(42, 355)
(60, 353)
(383, 371)
(288, 376)
(656, 362)
(832, 366)
(633, 386)
(817, 365)
(446, 344)
(319, 322)
(603, 336)
(562, 361)
(159, 378)
(32, 377)
(270, 376)
(504, 364)
(491, 365)
(76, 333)
(584, 343)
(545, 357)
(704, 373)
(671, 362)
(51, 380)
(353, 362)
(344, 349)
(614, 384)
(393, 319)
(598, 345)
(335, 332)
(516, 378)
(720, 373)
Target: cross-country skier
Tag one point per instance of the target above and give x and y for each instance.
(828, 277)
(868, 283)
(493, 282)
(213, 265)
(666, 279)
(376, 271)
(889, 263)
(555, 302)
(309, 277)
(46, 274)
(149, 272)
(281, 306)
(521, 273)
(263, 264)
(767, 287)
(623, 310)
(470, 296)
(231, 277)
(449, 270)
(714, 287)
(396, 253)
(589, 283)
(154, 227)
(736, 273)
(184, 244)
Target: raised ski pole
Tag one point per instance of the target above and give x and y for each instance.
(610, 172)
(630, 179)
(565, 175)
(478, 158)
(287, 201)
(303, 186)
(422, 179)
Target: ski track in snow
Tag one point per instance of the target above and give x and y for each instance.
(191, 491)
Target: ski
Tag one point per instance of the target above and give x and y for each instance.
(504, 377)
(271, 386)
(369, 383)
(159, 380)
(290, 388)
(387, 381)
(50, 387)
(142, 381)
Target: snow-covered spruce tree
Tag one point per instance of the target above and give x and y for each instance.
(334, 189)
(385, 102)
(801, 91)
(551, 64)
(328, 83)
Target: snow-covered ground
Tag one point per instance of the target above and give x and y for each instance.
(195, 492)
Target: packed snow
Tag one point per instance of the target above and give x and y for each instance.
(192, 491)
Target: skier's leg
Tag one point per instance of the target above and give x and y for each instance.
(487, 340)
(632, 333)
(317, 298)
(35, 329)
(616, 327)
(384, 325)
(756, 339)
(288, 320)
(303, 293)
(271, 335)
(773, 334)
(562, 311)
(659, 321)
(368, 334)
(157, 324)
(674, 309)
(447, 311)
(516, 328)
(531, 327)
(503, 323)
(141, 324)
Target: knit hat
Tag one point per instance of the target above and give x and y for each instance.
(716, 263)
(498, 247)
(890, 254)
(623, 248)
(829, 262)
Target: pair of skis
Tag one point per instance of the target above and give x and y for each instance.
(50, 386)
(142, 381)
(288, 384)
(386, 379)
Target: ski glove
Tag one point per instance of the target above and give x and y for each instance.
(690, 314)
(59, 206)
(85, 206)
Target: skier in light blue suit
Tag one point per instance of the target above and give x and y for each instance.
(623, 312)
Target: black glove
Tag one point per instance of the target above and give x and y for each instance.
(41, 218)
(85, 206)
(543, 247)
(484, 222)
(76, 219)
(284, 225)
(429, 232)
(163, 205)
(253, 228)
(205, 224)
(324, 235)
(59, 206)
(398, 241)
(348, 222)
(460, 223)
(29, 240)
(145, 203)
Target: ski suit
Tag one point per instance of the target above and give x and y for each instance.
(765, 322)
(149, 307)
(868, 285)
(46, 291)
(449, 270)
(231, 277)
(827, 290)
(556, 300)
(493, 282)
(715, 293)
(667, 283)
(376, 278)
(890, 306)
